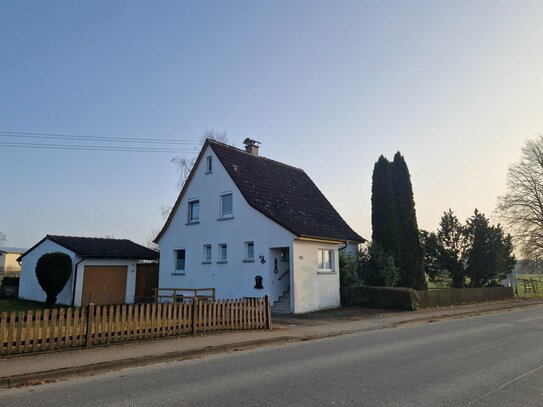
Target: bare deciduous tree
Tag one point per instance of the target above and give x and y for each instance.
(149, 239)
(185, 164)
(521, 208)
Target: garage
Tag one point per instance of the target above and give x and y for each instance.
(104, 270)
(104, 285)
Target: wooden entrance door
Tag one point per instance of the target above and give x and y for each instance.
(104, 285)
(146, 280)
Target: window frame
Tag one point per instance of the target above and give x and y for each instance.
(246, 250)
(175, 261)
(225, 258)
(190, 206)
(222, 214)
(209, 164)
(207, 260)
(320, 260)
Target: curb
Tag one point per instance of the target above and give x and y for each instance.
(103, 367)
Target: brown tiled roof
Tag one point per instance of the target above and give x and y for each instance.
(284, 194)
(95, 247)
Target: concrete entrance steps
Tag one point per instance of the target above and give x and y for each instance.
(282, 305)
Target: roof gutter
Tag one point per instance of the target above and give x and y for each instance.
(313, 239)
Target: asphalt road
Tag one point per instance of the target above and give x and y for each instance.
(491, 360)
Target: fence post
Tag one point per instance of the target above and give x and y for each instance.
(194, 316)
(90, 318)
(267, 312)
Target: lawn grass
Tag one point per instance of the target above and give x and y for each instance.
(520, 286)
(20, 305)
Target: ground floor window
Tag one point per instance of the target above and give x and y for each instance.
(326, 259)
(223, 252)
(249, 250)
(207, 252)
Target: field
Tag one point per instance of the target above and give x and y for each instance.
(529, 292)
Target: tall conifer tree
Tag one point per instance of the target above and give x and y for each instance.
(383, 211)
(410, 254)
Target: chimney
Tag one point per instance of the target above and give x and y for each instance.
(251, 146)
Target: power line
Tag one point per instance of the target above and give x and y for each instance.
(93, 148)
(136, 140)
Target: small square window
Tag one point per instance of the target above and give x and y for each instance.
(249, 250)
(209, 164)
(194, 211)
(179, 260)
(223, 252)
(325, 259)
(207, 252)
(226, 205)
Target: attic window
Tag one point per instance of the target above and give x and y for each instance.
(194, 211)
(209, 165)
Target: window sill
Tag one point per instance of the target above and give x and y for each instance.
(248, 260)
(178, 273)
(326, 272)
(207, 262)
(196, 222)
(208, 172)
(222, 261)
(225, 218)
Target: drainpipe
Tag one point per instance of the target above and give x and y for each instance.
(344, 247)
(75, 280)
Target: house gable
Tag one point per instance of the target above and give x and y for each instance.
(282, 193)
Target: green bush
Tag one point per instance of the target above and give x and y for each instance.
(379, 297)
(53, 272)
(348, 267)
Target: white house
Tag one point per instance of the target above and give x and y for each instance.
(241, 219)
(105, 271)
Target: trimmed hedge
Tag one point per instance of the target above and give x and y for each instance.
(379, 297)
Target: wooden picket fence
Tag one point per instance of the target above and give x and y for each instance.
(43, 330)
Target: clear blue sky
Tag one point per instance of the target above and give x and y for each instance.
(328, 86)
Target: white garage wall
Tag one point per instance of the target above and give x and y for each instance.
(29, 288)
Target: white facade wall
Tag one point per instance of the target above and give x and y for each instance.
(313, 289)
(235, 278)
(30, 289)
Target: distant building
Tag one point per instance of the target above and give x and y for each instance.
(8, 261)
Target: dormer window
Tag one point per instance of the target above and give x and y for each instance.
(209, 165)
(194, 211)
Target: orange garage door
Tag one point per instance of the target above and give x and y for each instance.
(104, 285)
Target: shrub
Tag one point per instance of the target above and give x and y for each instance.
(53, 272)
(379, 297)
(378, 268)
(348, 267)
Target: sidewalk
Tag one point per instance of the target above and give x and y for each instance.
(35, 368)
